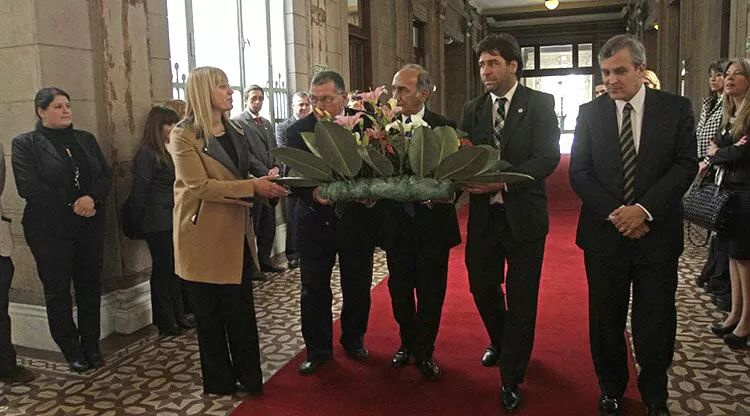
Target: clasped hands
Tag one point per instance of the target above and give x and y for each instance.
(84, 206)
(630, 221)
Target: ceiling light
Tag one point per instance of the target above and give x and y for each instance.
(656, 26)
(551, 4)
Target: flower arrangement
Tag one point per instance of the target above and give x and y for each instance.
(388, 159)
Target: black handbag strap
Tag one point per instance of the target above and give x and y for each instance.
(690, 237)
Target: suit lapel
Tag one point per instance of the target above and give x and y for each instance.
(215, 150)
(243, 148)
(649, 134)
(611, 140)
(483, 121)
(516, 112)
(45, 143)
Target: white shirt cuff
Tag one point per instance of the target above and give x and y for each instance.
(649, 217)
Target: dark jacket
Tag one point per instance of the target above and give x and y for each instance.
(531, 145)
(43, 180)
(281, 131)
(667, 165)
(736, 159)
(261, 140)
(152, 194)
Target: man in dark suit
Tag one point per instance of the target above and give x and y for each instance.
(417, 239)
(260, 136)
(300, 109)
(633, 158)
(325, 231)
(509, 223)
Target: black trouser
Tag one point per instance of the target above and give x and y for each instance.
(227, 335)
(264, 224)
(166, 293)
(421, 265)
(511, 325)
(73, 254)
(7, 352)
(654, 320)
(318, 250)
(290, 216)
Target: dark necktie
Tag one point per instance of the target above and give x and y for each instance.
(499, 124)
(408, 206)
(629, 156)
(258, 121)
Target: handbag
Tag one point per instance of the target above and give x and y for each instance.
(709, 205)
(131, 226)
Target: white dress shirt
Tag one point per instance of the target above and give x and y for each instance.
(498, 197)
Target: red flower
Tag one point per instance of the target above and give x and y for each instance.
(465, 142)
(389, 148)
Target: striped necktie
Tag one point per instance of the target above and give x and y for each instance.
(499, 123)
(629, 156)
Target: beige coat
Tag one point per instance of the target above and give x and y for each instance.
(211, 200)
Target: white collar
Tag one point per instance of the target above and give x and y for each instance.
(508, 95)
(420, 114)
(637, 101)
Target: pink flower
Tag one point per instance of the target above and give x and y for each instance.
(376, 134)
(390, 112)
(373, 96)
(348, 122)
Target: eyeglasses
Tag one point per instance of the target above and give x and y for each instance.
(325, 100)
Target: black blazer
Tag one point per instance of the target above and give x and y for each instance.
(736, 159)
(43, 180)
(667, 165)
(438, 223)
(531, 145)
(281, 131)
(261, 141)
(152, 194)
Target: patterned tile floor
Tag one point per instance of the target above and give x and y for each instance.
(148, 374)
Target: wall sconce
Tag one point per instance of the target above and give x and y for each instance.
(551, 4)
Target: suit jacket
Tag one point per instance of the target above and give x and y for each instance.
(281, 131)
(43, 180)
(261, 141)
(666, 167)
(531, 145)
(211, 200)
(152, 193)
(438, 223)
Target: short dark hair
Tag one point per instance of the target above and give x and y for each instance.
(504, 44)
(325, 77)
(250, 88)
(45, 96)
(719, 66)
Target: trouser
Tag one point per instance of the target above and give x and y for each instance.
(166, 292)
(290, 216)
(264, 224)
(7, 352)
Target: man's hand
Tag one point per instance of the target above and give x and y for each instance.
(274, 171)
(368, 202)
(627, 218)
(638, 232)
(264, 187)
(85, 206)
(319, 199)
(486, 188)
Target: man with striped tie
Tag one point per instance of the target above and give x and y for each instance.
(509, 223)
(633, 158)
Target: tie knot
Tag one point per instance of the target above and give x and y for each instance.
(501, 100)
(628, 106)
(408, 120)
(258, 120)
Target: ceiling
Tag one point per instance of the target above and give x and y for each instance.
(489, 7)
(496, 4)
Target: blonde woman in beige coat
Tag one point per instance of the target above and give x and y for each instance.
(213, 233)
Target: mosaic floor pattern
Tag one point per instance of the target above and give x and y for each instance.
(161, 375)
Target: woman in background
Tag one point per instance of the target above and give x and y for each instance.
(651, 80)
(65, 180)
(213, 233)
(731, 151)
(152, 199)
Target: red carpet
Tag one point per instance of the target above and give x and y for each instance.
(560, 380)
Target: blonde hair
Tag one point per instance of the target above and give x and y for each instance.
(199, 92)
(651, 77)
(178, 106)
(742, 123)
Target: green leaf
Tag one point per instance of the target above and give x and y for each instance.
(424, 152)
(298, 182)
(507, 177)
(466, 162)
(494, 164)
(447, 140)
(376, 160)
(309, 138)
(307, 164)
(338, 148)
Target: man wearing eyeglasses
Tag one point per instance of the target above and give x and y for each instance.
(326, 230)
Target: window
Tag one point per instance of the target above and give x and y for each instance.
(584, 55)
(244, 38)
(529, 61)
(354, 12)
(418, 42)
(360, 58)
(556, 56)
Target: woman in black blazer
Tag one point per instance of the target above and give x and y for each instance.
(64, 178)
(152, 198)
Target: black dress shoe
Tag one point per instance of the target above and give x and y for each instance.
(400, 358)
(491, 358)
(18, 374)
(253, 389)
(359, 354)
(723, 303)
(95, 359)
(271, 268)
(79, 365)
(187, 321)
(171, 332)
(735, 342)
(510, 398)
(430, 371)
(610, 405)
(657, 411)
(293, 264)
(720, 330)
(309, 367)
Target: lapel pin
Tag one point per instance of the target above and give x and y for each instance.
(520, 110)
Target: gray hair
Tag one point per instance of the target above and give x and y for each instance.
(300, 95)
(618, 42)
(330, 76)
(424, 81)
